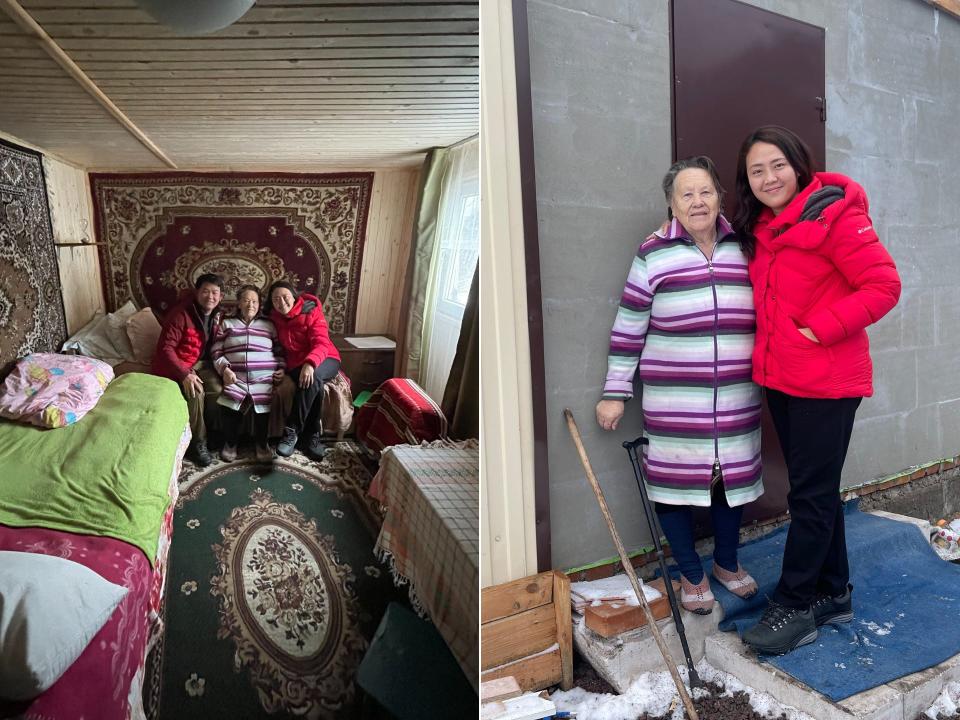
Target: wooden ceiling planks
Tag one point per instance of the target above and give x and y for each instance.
(294, 81)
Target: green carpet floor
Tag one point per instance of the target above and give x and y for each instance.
(273, 591)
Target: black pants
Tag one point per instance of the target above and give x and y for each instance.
(303, 400)
(233, 419)
(814, 436)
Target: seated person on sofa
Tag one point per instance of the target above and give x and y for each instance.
(312, 360)
(248, 356)
(183, 355)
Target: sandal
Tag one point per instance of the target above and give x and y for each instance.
(696, 598)
(739, 583)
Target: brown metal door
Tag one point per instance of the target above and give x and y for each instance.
(736, 67)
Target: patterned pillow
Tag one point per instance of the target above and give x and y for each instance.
(52, 390)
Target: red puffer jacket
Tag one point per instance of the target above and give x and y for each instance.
(303, 333)
(831, 275)
(182, 340)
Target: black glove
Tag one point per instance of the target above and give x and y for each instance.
(818, 201)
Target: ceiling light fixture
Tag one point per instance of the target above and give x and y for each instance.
(189, 17)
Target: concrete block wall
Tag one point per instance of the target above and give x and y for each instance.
(601, 101)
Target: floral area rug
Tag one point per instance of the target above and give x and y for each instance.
(161, 231)
(273, 591)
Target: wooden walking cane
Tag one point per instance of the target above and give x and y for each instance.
(628, 567)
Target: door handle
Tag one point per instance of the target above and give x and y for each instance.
(822, 107)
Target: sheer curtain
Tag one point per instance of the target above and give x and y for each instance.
(455, 254)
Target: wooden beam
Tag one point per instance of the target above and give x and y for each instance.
(30, 26)
(951, 7)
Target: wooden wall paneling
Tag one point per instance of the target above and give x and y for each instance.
(398, 319)
(71, 214)
(350, 86)
(386, 251)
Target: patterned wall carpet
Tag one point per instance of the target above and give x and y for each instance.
(163, 230)
(31, 306)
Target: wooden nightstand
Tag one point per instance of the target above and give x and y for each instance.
(365, 367)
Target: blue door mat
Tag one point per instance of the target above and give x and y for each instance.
(906, 603)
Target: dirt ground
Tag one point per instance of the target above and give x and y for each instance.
(713, 707)
(584, 676)
(718, 706)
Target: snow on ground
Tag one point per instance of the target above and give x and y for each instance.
(655, 693)
(947, 704)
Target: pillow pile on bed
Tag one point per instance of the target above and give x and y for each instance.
(51, 390)
(50, 609)
(143, 330)
(104, 337)
(127, 335)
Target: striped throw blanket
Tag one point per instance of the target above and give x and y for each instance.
(688, 325)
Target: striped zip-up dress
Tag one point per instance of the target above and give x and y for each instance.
(688, 324)
(253, 352)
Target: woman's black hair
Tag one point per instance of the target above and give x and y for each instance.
(797, 153)
(268, 303)
(697, 162)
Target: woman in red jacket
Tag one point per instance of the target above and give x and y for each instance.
(820, 277)
(311, 357)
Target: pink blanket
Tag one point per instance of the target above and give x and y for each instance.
(106, 681)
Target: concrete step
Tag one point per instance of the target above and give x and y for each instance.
(621, 659)
(902, 699)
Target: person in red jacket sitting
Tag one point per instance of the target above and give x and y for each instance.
(183, 355)
(820, 276)
(312, 359)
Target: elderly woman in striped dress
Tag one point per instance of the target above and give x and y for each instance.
(686, 325)
(247, 353)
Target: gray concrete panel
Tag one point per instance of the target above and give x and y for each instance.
(918, 307)
(935, 141)
(895, 385)
(887, 333)
(921, 432)
(899, 190)
(601, 94)
(949, 412)
(881, 136)
(939, 371)
(947, 316)
(884, 54)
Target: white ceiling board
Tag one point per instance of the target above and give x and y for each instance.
(294, 81)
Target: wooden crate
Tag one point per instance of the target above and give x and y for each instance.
(526, 631)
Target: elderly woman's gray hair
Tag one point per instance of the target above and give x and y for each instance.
(697, 162)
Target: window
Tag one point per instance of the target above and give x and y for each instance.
(456, 254)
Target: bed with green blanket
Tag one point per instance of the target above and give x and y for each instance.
(108, 474)
(100, 493)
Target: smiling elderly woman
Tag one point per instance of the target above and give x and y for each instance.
(246, 352)
(686, 320)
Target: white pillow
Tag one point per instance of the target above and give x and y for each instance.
(117, 329)
(93, 340)
(50, 609)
